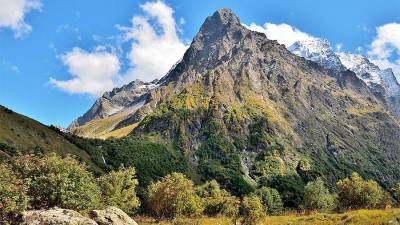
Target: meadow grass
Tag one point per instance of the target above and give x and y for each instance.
(357, 217)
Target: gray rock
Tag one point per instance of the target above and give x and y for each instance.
(55, 216)
(112, 216)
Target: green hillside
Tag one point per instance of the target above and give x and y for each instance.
(19, 133)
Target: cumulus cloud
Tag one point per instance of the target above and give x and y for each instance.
(13, 12)
(283, 33)
(156, 46)
(385, 48)
(92, 72)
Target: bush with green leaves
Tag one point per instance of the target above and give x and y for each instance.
(172, 196)
(119, 189)
(272, 166)
(271, 200)
(55, 181)
(218, 201)
(13, 197)
(318, 197)
(354, 192)
(252, 210)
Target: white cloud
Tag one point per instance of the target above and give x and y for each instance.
(13, 12)
(93, 72)
(385, 48)
(155, 47)
(283, 33)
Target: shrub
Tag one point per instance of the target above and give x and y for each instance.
(355, 192)
(317, 196)
(272, 166)
(252, 210)
(119, 189)
(218, 201)
(55, 181)
(270, 199)
(172, 196)
(13, 197)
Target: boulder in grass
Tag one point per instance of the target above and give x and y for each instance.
(112, 216)
(55, 216)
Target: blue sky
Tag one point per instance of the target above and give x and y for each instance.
(52, 42)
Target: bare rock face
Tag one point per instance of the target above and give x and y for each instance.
(55, 216)
(112, 216)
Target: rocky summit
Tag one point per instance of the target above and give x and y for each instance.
(239, 104)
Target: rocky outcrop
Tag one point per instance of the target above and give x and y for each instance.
(111, 216)
(58, 216)
(55, 216)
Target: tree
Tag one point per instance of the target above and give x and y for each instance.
(218, 201)
(55, 181)
(317, 196)
(172, 196)
(396, 190)
(270, 199)
(119, 189)
(13, 197)
(374, 196)
(355, 192)
(252, 210)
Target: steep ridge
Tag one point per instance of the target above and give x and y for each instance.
(244, 110)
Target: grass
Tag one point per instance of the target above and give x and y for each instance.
(119, 133)
(358, 217)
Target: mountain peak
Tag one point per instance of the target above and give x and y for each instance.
(225, 16)
(220, 22)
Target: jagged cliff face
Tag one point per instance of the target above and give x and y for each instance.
(238, 102)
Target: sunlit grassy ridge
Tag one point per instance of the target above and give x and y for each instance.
(358, 217)
(23, 134)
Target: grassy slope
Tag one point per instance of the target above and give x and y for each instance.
(103, 128)
(24, 134)
(359, 217)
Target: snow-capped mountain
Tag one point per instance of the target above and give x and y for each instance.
(317, 50)
(364, 69)
(380, 82)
